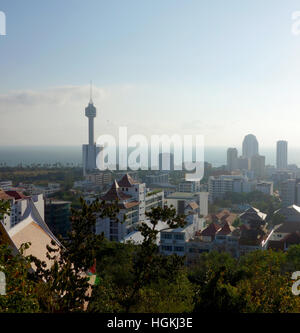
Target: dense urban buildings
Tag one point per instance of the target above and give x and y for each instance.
(134, 200)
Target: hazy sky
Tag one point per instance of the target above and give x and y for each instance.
(221, 68)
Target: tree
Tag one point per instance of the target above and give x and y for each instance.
(66, 287)
(21, 295)
(147, 272)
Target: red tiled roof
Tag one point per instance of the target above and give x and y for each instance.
(293, 238)
(17, 195)
(115, 194)
(127, 181)
(9, 195)
(211, 230)
(226, 229)
(4, 196)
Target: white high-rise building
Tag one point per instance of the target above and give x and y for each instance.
(134, 200)
(250, 146)
(282, 155)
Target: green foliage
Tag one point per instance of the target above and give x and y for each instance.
(258, 282)
(21, 289)
(137, 278)
(4, 208)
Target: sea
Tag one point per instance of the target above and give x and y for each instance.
(72, 155)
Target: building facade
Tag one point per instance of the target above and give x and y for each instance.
(282, 155)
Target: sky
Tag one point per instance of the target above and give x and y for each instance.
(218, 68)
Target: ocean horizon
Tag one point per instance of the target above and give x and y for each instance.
(72, 155)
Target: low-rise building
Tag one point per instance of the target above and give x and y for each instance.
(265, 187)
(189, 186)
(179, 200)
(219, 186)
(290, 213)
(6, 185)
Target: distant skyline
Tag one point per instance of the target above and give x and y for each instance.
(219, 68)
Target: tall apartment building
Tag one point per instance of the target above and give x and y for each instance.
(282, 155)
(134, 201)
(258, 165)
(232, 159)
(243, 163)
(250, 146)
(289, 192)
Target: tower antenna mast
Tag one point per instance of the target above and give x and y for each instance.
(91, 93)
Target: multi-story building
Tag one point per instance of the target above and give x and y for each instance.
(20, 207)
(5, 185)
(189, 186)
(219, 186)
(232, 159)
(289, 192)
(265, 187)
(99, 179)
(257, 165)
(179, 200)
(174, 241)
(282, 155)
(243, 163)
(250, 146)
(57, 216)
(157, 179)
(32, 189)
(134, 201)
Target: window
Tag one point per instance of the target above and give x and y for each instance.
(166, 235)
(179, 236)
(178, 248)
(166, 248)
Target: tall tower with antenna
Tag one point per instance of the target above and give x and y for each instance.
(89, 151)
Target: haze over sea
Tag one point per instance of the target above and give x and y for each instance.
(14, 155)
